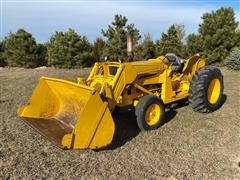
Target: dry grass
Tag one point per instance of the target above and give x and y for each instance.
(189, 146)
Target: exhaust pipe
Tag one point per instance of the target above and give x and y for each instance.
(130, 47)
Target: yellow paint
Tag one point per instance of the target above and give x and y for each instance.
(84, 119)
(152, 114)
(214, 91)
(143, 89)
(192, 65)
(135, 103)
(78, 115)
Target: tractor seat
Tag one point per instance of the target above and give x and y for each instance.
(174, 61)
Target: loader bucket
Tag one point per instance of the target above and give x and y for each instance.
(70, 115)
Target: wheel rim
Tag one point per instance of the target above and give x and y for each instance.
(152, 114)
(214, 91)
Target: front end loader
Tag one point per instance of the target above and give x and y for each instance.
(78, 115)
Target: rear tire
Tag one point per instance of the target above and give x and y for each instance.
(150, 112)
(206, 90)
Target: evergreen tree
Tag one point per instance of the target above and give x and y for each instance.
(194, 44)
(116, 34)
(233, 59)
(146, 49)
(217, 35)
(2, 60)
(170, 42)
(98, 47)
(20, 49)
(42, 52)
(68, 50)
(180, 28)
(181, 35)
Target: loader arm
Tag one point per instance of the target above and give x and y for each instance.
(78, 115)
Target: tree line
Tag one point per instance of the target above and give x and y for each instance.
(217, 40)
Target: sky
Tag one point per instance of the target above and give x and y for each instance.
(43, 17)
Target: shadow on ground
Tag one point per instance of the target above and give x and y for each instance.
(224, 98)
(126, 127)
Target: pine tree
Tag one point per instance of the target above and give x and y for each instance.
(180, 28)
(116, 34)
(146, 49)
(42, 52)
(217, 35)
(170, 42)
(20, 49)
(2, 60)
(233, 60)
(68, 50)
(194, 44)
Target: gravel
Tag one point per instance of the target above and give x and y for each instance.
(189, 145)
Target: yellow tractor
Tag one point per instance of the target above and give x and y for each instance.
(79, 115)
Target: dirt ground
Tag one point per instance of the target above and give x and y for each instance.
(189, 145)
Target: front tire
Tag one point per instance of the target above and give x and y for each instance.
(206, 90)
(150, 112)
